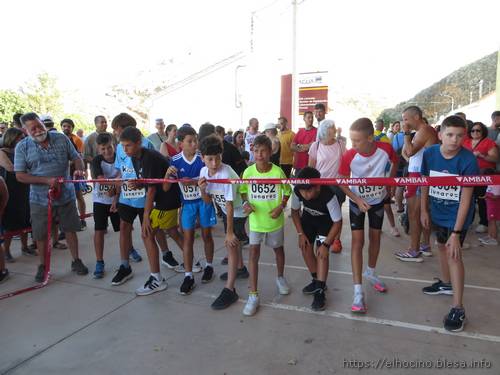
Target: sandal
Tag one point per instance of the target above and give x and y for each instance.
(58, 245)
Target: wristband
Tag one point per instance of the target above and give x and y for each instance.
(407, 133)
(456, 231)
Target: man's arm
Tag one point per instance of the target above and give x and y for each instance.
(410, 147)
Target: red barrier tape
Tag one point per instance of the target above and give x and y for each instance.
(369, 181)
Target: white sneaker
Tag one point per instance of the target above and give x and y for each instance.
(180, 268)
(282, 285)
(488, 241)
(481, 229)
(395, 232)
(252, 305)
(152, 286)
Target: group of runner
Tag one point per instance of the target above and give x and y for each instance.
(180, 208)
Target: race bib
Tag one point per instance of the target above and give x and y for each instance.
(371, 192)
(132, 194)
(190, 192)
(102, 190)
(219, 198)
(263, 192)
(449, 193)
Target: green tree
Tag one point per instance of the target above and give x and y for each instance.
(11, 102)
(43, 95)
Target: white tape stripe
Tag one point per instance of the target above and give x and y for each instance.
(384, 277)
(372, 320)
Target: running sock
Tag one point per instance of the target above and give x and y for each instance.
(190, 274)
(207, 264)
(100, 261)
(358, 289)
(256, 293)
(370, 271)
(125, 263)
(314, 275)
(163, 252)
(321, 284)
(157, 276)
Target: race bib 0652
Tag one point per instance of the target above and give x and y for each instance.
(263, 192)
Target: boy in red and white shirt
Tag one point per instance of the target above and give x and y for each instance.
(367, 158)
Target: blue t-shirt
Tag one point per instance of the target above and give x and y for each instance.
(134, 198)
(445, 200)
(188, 169)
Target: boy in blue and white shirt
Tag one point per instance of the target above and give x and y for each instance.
(187, 165)
(131, 201)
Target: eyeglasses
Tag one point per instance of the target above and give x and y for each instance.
(475, 131)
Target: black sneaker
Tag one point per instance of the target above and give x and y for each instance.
(168, 260)
(208, 275)
(319, 301)
(39, 273)
(30, 252)
(242, 273)
(455, 320)
(226, 298)
(4, 275)
(78, 267)
(187, 285)
(438, 288)
(310, 288)
(83, 224)
(122, 275)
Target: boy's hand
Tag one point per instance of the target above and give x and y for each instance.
(231, 240)
(453, 247)
(202, 183)
(248, 208)
(363, 206)
(276, 212)
(171, 171)
(78, 174)
(303, 242)
(425, 219)
(146, 226)
(114, 207)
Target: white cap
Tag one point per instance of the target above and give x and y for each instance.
(269, 126)
(46, 118)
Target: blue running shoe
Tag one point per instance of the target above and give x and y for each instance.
(136, 257)
(99, 270)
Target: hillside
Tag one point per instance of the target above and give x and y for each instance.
(464, 85)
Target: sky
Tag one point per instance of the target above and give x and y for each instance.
(387, 49)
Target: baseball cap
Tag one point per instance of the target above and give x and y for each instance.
(46, 119)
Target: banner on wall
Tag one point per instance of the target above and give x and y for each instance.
(313, 89)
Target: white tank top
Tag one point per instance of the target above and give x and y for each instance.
(415, 162)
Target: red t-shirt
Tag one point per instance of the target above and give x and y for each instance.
(484, 146)
(303, 137)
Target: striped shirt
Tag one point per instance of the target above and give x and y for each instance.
(53, 161)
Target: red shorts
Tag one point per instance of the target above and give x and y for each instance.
(493, 207)
(411, 190)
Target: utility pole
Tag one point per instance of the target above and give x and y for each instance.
(294, 66)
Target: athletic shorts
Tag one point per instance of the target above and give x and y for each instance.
(164, 219)
(412, 190)
(272, 239)
(66, 214)
(492, 208)
(1, 234)
(315, 226)
(442, 234)
(375, 216)
(204, 211)
(238, 227)
(128, 213)
(102, 213)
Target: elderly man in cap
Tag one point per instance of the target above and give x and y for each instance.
(40, 160)
(272, 133)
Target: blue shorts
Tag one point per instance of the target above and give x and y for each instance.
(191, 211)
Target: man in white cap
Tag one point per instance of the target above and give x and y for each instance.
(271, 131)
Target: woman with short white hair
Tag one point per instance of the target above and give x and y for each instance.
(325, 155)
